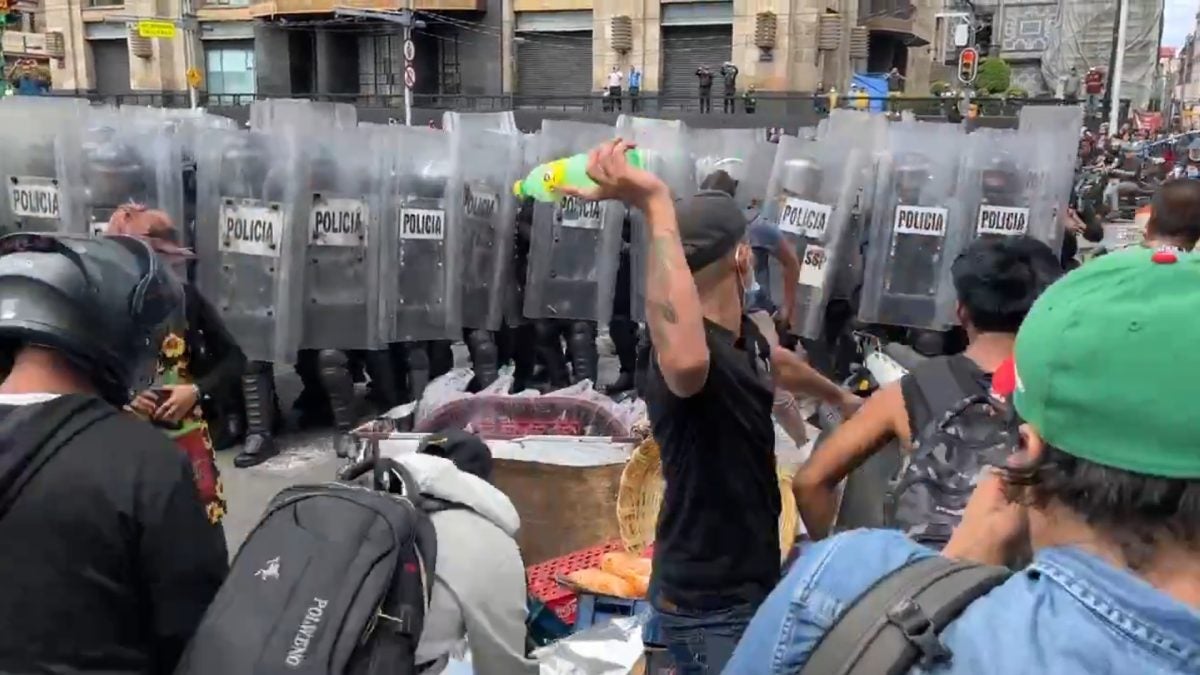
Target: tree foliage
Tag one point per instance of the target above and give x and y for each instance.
(994, 76)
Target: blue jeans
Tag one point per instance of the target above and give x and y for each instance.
(699, 643)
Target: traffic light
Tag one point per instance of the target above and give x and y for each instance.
(968, 65)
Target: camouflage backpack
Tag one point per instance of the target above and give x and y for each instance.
(967, 431)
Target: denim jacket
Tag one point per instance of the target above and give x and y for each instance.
(1068, 612)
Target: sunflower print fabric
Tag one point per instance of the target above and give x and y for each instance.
(192, 437)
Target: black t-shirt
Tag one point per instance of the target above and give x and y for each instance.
(717, 539)
(109, 559)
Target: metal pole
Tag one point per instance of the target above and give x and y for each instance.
(408, 89)
(1114, 108)
(189, 50)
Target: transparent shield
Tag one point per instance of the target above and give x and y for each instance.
(814, 186)
(917, 229)
(1000, 184)
(33, 170)
(249, 242)
(505, 122)
(744, 154)
(341, 213)
(280, 113)
(1053, 134)
(490, 162)
(664, 143)
(575, 245)
(421, 284)
(123, 162)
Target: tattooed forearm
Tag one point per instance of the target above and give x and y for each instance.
(666, 310)
(673, 313)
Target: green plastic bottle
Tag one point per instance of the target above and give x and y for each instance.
(546, 181)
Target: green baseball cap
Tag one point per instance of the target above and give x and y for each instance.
(1107, 363)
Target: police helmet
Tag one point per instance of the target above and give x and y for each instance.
(115, 172)
(1193, 150)
(102, 302)
(1000, 176)
(912, 173)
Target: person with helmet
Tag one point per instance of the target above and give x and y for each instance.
(110, 561)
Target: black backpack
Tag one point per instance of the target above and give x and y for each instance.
(335, 578)
(966, 432)
(897, 622)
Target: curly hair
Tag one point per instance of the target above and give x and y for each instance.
(1137, 511)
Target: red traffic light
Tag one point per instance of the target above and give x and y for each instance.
(968, 65)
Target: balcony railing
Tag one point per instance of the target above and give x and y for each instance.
(767, 104)
(24, 44)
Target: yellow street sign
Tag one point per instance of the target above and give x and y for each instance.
(194, 78)
(153, 28)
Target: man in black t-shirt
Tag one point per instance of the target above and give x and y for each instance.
(709, 395)
(109, 559)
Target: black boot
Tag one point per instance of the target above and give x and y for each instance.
(258, 388)
(485, 357)
(624, 334)
(386, 391)
(312, 405)
(524, 355)
(441, 358)
(550, 352)
(585, 359)
(336, 378)
(416, 357)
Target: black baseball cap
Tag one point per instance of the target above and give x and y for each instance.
(710, 226)
(468, 451)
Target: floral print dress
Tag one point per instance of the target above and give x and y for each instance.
(192, 436)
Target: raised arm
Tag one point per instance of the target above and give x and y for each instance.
(673, 313)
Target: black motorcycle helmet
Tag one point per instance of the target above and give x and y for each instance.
(102, 302)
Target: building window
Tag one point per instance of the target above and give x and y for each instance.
(105, 3)
(230, 68)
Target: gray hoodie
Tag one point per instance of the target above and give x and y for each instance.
(479, 585)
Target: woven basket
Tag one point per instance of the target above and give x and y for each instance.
(640, 494)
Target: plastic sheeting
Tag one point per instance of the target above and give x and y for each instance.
(1082, 38)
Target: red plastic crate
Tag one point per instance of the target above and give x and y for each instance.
(542, 579)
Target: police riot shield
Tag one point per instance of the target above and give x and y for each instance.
(812, 191)
(664, 143)
(1053, 133)
(575, 246)
(490, 162)
(289, 112)
(32, 170)
(505, 122)
(340, 210)
(421, 284)
(248, 240)
(123, 163)
(917, 229)
(998, 184)
(744, 154)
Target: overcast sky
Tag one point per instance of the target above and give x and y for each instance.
(1179, 18)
